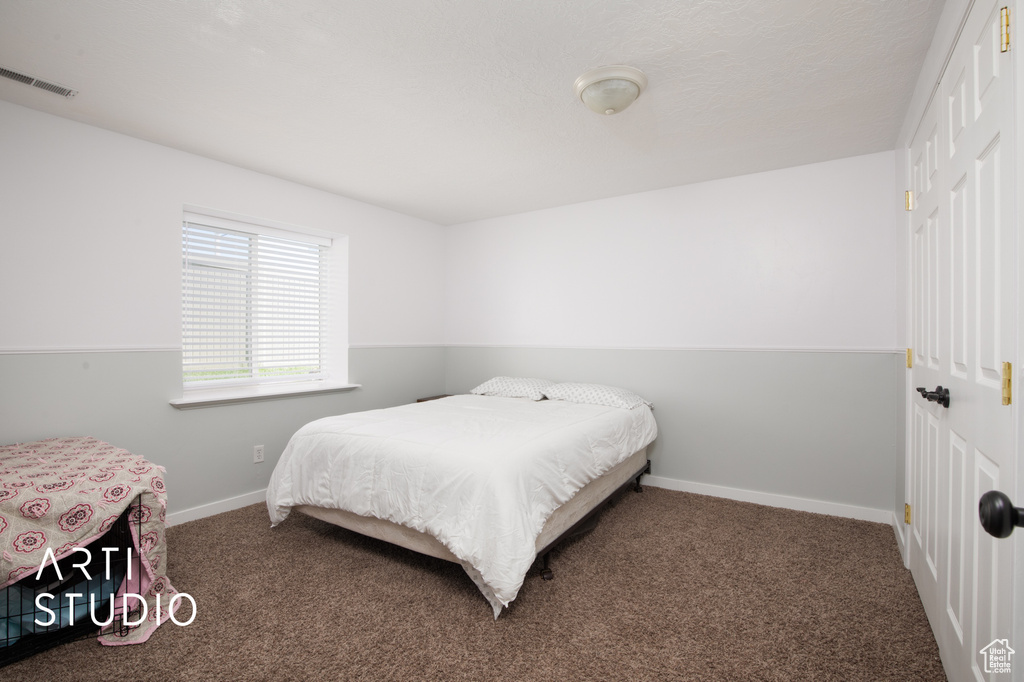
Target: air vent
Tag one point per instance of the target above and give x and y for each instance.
(29, 80)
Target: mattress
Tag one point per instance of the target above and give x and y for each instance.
(479, 474)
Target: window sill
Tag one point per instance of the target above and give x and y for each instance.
(211, 397)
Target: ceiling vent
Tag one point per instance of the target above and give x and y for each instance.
(29, 80)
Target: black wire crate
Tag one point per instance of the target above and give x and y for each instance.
(30, 624)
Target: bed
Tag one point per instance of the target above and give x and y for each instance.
(488, 480)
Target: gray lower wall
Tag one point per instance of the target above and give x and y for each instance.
(121, 398)
(818, 426)
(814, 425)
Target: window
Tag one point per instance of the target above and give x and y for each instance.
(255, 304)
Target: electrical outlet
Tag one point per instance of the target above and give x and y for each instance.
(257, 454)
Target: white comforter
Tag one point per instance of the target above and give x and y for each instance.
(481, 474)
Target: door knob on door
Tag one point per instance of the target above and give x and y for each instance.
(998, 515)
(940, 395)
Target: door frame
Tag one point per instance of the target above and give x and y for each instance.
(947, 33)
(1017, 495)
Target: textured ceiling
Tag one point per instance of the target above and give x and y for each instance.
(454, 111)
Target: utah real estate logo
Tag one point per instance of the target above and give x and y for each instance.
(997, 656)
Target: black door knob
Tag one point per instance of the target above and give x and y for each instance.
(998, 515)
(940, 395)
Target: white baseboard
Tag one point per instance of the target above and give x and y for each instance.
(773, 500)
(900, 530)
(204, 510)
(767, 499)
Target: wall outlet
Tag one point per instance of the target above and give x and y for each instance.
(257, 454)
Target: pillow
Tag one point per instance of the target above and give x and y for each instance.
(513, 387)
(596, 394)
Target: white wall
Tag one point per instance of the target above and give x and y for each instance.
(797, 258)
(90, 260)
(801, 258)
(759, 313)
(90, 223)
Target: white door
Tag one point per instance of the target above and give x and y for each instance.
(963, 241)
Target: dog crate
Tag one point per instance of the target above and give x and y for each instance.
(31, 622)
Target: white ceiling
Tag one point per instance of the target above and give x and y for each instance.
(459, 110)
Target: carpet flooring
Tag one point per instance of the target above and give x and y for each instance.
(669, 586)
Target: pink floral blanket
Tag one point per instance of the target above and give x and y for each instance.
(62, 493)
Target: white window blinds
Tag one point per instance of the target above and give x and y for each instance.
(254, 303)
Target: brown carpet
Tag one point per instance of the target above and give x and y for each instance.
(669, 586)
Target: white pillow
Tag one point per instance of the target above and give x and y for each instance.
(595, 394)
(513, 387)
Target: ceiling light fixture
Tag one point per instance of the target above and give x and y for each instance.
(610, 89)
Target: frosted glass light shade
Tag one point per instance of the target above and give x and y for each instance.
(610, 89)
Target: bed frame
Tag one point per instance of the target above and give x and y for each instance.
(576, 516)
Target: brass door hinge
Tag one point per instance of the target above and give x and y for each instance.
(1007, 383)
(1004, 24)
(906, 514)
(910, 358)
(909, 197)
